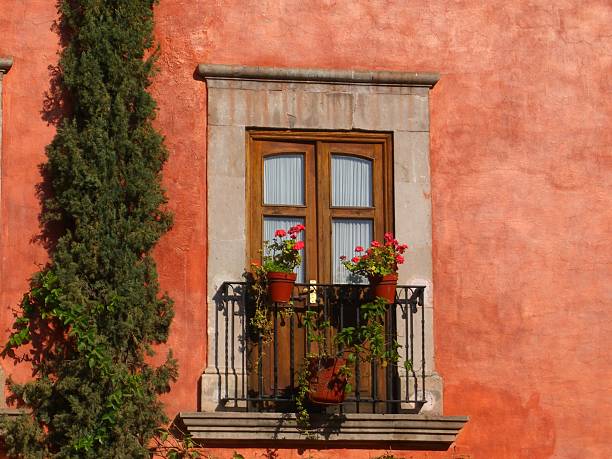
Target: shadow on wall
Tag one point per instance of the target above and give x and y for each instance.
(55, 106)
(518, 427)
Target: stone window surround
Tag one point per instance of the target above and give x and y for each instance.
(242, 97)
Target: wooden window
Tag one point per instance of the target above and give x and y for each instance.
(339, 185)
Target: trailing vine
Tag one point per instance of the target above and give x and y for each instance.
(258, 285)
(93, 314)
(364, 343)
(174, 444)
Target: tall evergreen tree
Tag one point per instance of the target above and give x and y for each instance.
(94, 312)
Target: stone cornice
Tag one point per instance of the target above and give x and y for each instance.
(5, 64)
(367, 77)
(334, 431)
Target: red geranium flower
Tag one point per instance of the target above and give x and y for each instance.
(298, 245)
(296, 229)
(280, 233)
(380, 258)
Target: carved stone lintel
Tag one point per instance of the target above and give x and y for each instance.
(369, 77)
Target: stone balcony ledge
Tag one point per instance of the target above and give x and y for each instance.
(381, 431)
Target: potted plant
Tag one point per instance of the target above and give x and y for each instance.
(379, 264)
(325, 377)
(323, 373)
(281, 257)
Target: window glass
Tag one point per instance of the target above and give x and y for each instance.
(337, 185)
(284, 179)
(346, 235)
(351, 181)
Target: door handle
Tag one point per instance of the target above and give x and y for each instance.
(312, 297)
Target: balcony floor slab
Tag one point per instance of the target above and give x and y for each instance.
(381, 431)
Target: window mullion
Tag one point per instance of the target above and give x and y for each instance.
(323, 210)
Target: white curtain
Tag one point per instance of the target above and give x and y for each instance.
(271, 224)
(346, 235)
(284, 179)
(351, 181)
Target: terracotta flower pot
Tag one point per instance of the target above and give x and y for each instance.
(384, 286)
(280, 286)
(326, 384)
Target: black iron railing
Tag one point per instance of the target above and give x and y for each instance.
(258, 370)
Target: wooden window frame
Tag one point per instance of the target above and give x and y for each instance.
(382, 212)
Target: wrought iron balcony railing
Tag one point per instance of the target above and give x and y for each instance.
(258, 371)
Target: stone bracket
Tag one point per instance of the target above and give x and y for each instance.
(5, 64)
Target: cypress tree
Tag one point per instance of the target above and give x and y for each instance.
(93, 313)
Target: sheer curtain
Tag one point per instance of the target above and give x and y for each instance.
(346, 234)
(351, 181)
(284, 179)
(351, 187)
(284, 185)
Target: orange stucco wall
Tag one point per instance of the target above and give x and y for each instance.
(521, 138)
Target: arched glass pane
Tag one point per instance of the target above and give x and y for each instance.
(271, 224)
(346, 235)
(351, 181)
(284, 180)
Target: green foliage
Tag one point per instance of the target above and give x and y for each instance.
(174, 444)
(258, 290)
(368, 341)
(262, 322)
(94, 312)
(301, 409)
(365, 343)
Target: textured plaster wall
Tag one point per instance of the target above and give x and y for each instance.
(521, 179)
(25, 31)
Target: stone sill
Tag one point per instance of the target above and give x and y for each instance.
(381, 431)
